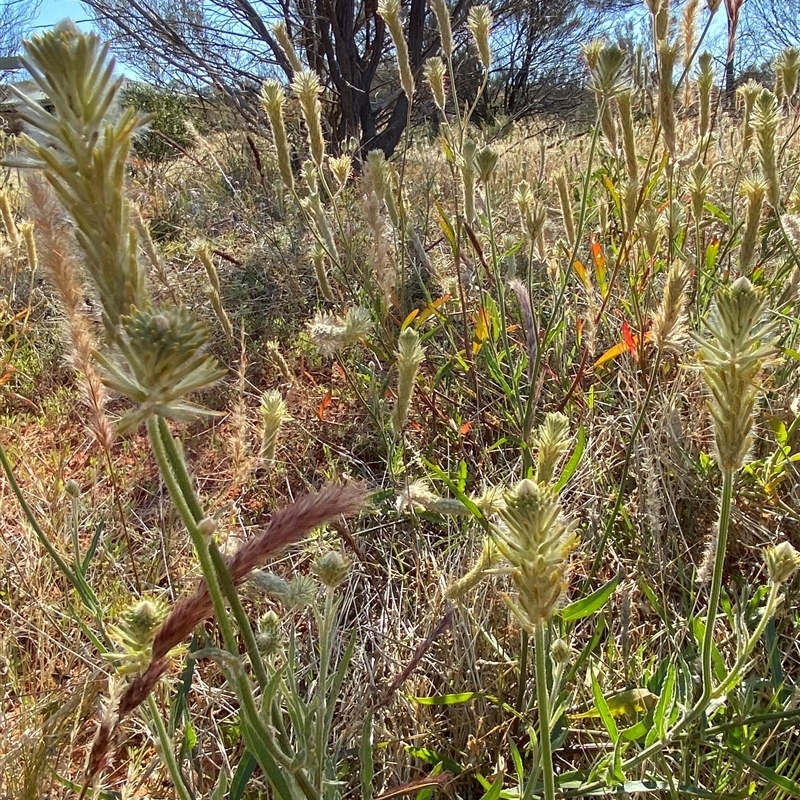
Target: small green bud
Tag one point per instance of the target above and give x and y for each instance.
(300, 593)
(486, 162)
(269, 583)
(331, 568)
(72, 488)
(269, 638)
(207, 527)
(561, 652)
(782, 560)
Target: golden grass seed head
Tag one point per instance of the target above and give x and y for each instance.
(442, 14)
(552, 442)
(650, 225)
(607, 64)
(341, 168)
(765, 120)
(307, 89)
(479, 22)
(666, 93)
(435, 74)
(9, 222)
(134, 632)
(319, 259)
(564, 189)
(688, 31)
(273, 98)
(625, 106)
(787, 72)
(390, 12)
(27, 231)
(376, 174)
(331, 333)
(661, 20)
(535, 537)
(669, 330)
(699, 186)
(705, 82)
(747, 94)
(754, 191)
(410, 354)
(630, 202)
(83, 149)
(274, 413)
(782, 562)
(166, 359)
(486, 163)
(281, 33)
(357, 323)
(488, 557)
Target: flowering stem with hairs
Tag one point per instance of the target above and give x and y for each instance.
(726, 503)
(175, 476)
(166, 752)
(543, 706)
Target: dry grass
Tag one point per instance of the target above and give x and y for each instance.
(650, 449)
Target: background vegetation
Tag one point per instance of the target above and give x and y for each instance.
(560, 363)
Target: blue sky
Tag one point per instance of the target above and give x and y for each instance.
(52, 11)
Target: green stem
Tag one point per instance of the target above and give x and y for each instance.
(726, 503)
(189, 508)
(523, 669)
(240, 615)
(543, 700)
(178, 464)
(165, 751)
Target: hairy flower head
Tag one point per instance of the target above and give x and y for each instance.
(535, 537)
(731, 358)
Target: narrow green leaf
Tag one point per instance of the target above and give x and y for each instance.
(446, 226)
(604, 711)
(179, 705)
(220, 790)
(99, 530)
(637, 731)
(664, 704)
(574, 460)
(433, 758)
(427, 792)
(365, 758)
(242, 776)
(100, 794)
(448, 699)
(590, 604)
(273, 772)
(494, 790)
